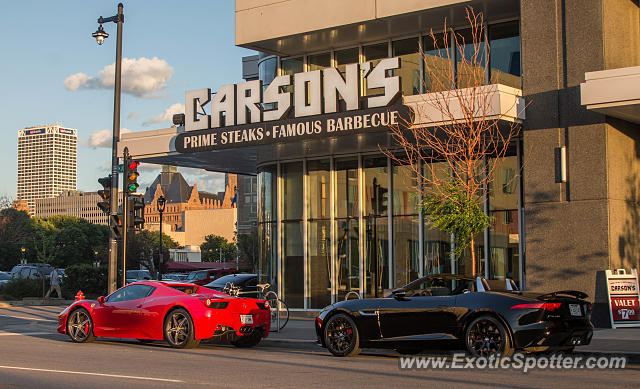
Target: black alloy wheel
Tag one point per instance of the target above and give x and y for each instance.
(486, 336)
(80, 326)
(341, 336)
(178, 329)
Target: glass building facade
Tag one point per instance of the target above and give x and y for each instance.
(337, 225)
(350, 222)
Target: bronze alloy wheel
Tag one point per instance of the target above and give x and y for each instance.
(486, 336)
(341, 336)
(80, 326)
(178, 329)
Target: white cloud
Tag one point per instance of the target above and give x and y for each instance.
(167, 115)
(133, 115)
(205, 181)
(103, 138)
(142, 77)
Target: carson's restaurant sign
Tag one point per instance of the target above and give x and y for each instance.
(242, 115)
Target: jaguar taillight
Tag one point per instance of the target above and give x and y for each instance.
(546, 306)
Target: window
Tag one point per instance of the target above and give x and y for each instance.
(437, 63)
(409, 53)
(504, 55)
(373, 54)
(131, 292)
(319, 61)
(470, 59)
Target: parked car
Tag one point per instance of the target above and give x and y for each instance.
(137, 275)
(245, 282)
(181, 313)
(202, 277)
(174, 277)
(444, 307)
(30, 272)
(4, 278)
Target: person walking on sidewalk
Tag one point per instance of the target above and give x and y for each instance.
(55, 283)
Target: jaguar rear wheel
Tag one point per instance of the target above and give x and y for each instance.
(487, 336)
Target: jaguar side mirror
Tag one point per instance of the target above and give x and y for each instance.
(399, 294)
(101, 300)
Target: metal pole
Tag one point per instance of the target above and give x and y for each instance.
(125, 214)
(113, 243)
(160, 253)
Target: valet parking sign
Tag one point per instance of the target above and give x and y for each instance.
(294, 108)
(623, 298)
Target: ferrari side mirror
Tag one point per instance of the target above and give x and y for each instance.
(400, 294)
(101, 300)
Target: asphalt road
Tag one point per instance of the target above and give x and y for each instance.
(33, 355)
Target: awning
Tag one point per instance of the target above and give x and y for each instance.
(614, 92)
(191, 266)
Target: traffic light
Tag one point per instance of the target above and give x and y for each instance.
(131, 175)
(136, 212)
(105, 194)
(116, 225)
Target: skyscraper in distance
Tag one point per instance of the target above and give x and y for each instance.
(47, 162)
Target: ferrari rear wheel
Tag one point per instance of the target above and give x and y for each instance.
(178, 329)
(487, 336)
(80, 326)
(341, 336)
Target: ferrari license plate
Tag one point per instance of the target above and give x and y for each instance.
(246, 319)
(575, 310)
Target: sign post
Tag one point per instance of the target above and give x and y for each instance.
(622, 288)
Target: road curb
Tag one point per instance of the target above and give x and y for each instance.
(35, 302)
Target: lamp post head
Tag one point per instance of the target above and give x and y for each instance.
(100, 35)
(161, 203)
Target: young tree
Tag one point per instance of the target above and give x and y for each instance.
(463, 135)
(143, 246)
(16, 228)
(217, 249)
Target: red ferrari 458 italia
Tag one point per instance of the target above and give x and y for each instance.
(180, 313)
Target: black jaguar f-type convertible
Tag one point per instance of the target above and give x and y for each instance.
(458, 310)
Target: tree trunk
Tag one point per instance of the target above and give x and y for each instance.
(473, 256)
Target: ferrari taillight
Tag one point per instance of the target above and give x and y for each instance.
(545, 306)
(207, 302)
(266, 303)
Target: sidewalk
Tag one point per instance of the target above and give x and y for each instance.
(28, 301)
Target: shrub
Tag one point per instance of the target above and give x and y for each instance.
(90, 280)
(17, 289)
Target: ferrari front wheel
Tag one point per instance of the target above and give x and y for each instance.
(178, 329)
(341, 336)
(80, 326)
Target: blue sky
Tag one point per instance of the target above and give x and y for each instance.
(52, 71)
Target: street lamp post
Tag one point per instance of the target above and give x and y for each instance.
(100, 36)
(161, 203)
